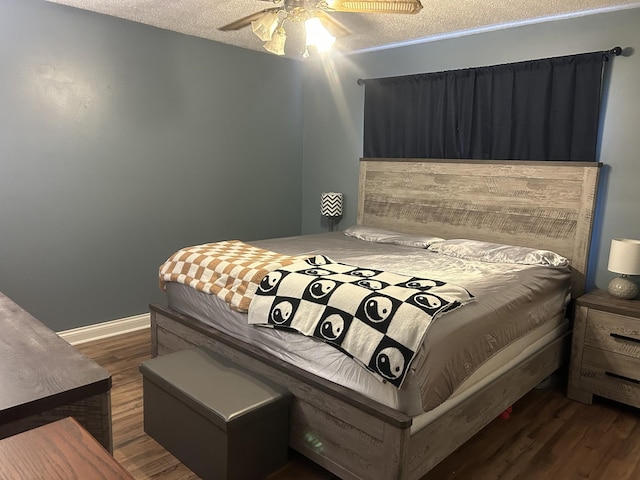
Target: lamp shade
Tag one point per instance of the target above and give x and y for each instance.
(276, 44)
(624, 256)
(331, 204)
(265, 25)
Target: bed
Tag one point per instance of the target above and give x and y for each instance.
(355, 433)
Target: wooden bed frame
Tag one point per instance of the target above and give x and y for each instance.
(537, 204)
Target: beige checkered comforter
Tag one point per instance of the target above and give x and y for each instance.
(232, 270)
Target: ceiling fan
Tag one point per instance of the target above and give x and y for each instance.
(321, 29)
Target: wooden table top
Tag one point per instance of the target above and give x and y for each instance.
(603, 300)
(58, 450)
(38, 369)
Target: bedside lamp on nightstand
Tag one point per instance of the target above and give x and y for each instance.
(624, 258)
(331, 207)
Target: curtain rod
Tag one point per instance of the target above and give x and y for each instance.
(616, 51)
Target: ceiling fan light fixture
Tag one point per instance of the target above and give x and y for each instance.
(264, 26)
(276, 44)
(321, 29)
(317, 35)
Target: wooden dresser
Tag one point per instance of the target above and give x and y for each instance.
(605, 352)
(43, 379)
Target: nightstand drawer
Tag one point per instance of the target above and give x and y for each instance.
(611, 375)
(616, 333)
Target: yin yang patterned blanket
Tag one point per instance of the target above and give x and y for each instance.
(377, 317)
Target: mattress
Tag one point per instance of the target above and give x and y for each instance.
(515, 305)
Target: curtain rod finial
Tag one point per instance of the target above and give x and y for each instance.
(616, 51)
(360, 81)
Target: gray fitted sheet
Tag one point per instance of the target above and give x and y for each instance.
(515, 305)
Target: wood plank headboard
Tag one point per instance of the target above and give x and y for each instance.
(548, 205)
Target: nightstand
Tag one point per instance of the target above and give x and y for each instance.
(605, 349)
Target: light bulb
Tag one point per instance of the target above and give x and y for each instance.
(317, 36)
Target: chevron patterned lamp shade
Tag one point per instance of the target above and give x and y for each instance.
(331, 207)
(331, 204)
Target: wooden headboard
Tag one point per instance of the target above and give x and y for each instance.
(547, 205)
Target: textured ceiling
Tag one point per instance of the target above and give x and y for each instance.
(438, 18)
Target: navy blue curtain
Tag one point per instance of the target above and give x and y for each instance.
(535, 110)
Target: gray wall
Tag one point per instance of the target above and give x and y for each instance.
(333, 105)
(120, 143)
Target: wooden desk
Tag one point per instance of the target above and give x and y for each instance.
(43, 379)
(58, 450)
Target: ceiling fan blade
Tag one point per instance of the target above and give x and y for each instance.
(335, 28)
(246, 21)
(375, 6)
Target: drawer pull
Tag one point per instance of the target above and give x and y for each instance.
(624, 337)
(622, 377)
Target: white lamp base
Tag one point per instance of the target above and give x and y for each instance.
(622, 287)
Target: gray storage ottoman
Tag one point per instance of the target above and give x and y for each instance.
(216, 417)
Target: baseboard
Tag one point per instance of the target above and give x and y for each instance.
(98, 331)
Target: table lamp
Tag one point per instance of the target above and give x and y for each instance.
(331, 207)
(624, 258)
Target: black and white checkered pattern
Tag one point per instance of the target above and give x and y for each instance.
(376, 317)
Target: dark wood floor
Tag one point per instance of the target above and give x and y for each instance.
(546, 437)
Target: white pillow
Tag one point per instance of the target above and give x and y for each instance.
(379, 235)
(497, 252)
